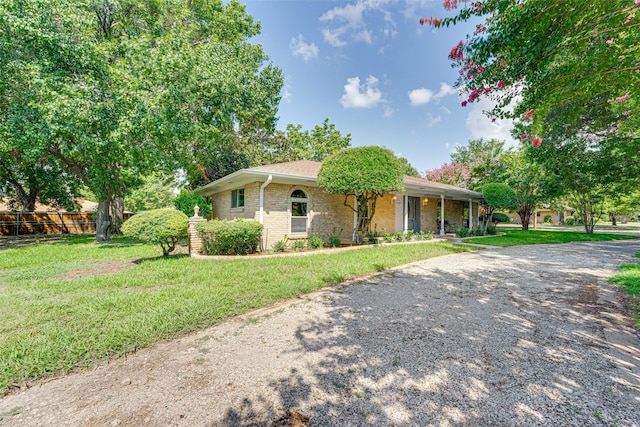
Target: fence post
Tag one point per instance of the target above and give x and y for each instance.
(61, 221)
(17, 223)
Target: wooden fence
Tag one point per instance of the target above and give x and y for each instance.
(19, 223)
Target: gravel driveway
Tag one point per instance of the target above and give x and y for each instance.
(519, 336)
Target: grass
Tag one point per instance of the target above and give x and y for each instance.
(535, 237)
(58, 314)
(629, 279)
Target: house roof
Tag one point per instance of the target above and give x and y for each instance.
(305, 172)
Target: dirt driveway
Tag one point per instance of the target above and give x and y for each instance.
(518, 336)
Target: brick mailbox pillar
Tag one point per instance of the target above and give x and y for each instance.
(195, 241)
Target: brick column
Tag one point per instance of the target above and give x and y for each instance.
(195, 241)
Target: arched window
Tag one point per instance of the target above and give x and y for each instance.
(299, 203)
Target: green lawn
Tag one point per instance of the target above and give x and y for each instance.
(629, 279)
(73, 302)
(534, 237)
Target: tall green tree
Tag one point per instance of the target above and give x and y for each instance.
(125, 87)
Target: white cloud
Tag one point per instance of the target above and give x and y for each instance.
(431, 121)
(358, 95)
(423, 96)
(349, 22)
(388, 111)
(446, 110)
(286, 93)
(420, 96)
(482, 126)
(300, 48)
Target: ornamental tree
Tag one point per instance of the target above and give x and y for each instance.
(531, 57)
(454, 173)
(497, 196)
(362, 175)
(164, 227)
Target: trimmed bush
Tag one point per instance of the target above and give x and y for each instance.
(569, 220)
(547, 219)
(464, 232)
(500, 217)
(237, 237)
(164, 227)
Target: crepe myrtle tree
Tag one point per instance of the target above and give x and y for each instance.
(362, 175)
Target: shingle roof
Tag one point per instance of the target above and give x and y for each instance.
(304, 168)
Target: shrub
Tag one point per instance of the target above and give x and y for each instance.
(187, 199)
(479, 232)
(333, 239)
(280, 245)
(464, 232)
(387, 237)
(500, 217)
(164, 227)
(298, 245)
(315, 242)
(492, 231)
(547, 218)
(569, 220)
(399, 236)
(237, 237)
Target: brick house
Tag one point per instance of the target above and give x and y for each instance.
(286, 199)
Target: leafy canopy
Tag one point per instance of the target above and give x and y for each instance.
(164, 227)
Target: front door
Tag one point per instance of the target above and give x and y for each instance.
(414, 214)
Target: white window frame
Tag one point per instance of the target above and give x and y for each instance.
(235, 198)
(291, 216)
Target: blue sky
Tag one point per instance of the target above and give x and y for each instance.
(376, 73)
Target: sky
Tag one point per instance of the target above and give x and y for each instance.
(375, 72)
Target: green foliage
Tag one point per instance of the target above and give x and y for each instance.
(491, 230)
(547, 219)
(315, 242)
(237, 237)
(537, 237)
(387, 237)
(164, 227)
(332, 240)
(500, 217)
(298, 245)
(188, 199)
(280, 245)
(407, 168)
(464, 232)
(364, 173)
(569, 220)
(499, 196)
(155, 192)
(478, 163)
(115, 90)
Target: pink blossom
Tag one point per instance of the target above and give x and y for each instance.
(457, 53)
(613, 129)
(626, 113)
(621, 57)
(480, 68)
(529, 114)
(501, 84)
(464, 103)
(637, 2)
(523, 136)
(431, 21)
(623, 97)
(610, 41)
(536, 141)
(450, 4)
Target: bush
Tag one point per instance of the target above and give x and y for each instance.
(164, 227)
(280, 245)
(500, 217)
(315, 242)
(491, 231)
(237, 237)
(464, 232)
(187, 199)
(569, 220)
(479, 232)
(388, 238)
(547, 218)
(333, 239)
(298, 245)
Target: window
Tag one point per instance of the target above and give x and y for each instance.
(299, 202)
(237, 198)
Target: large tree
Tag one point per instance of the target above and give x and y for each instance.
(125, 87)
(362, 175)
(533, 57)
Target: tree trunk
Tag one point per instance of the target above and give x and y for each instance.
(103, 221)
(525, 217)
(613, 219)
(116, 210)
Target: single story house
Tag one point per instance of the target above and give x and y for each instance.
(286, 199)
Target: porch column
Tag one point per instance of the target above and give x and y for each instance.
(355, 219)
(405, 225)
(442, 214)
(470, 215)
